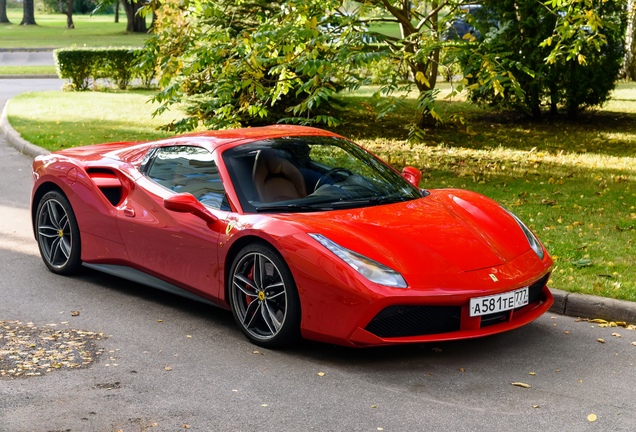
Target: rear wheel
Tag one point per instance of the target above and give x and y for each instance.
(58, 234)
(264, 297)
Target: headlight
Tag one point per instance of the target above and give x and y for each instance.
(372, 270)
(535, 244)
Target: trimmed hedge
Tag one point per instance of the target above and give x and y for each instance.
(85, 65)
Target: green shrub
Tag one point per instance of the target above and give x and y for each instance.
(85, 65)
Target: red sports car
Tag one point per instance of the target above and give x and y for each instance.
(299, 231)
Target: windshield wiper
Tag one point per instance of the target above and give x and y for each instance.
(361, 202)
(291, 208)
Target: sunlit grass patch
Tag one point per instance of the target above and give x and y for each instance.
(56, 120)
(51, 32)
(28, 70)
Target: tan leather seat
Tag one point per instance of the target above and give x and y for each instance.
(276, 178)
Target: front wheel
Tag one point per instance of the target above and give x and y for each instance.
(264, 297)
(58, 234)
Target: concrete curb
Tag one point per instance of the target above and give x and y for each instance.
(15, 139)
(565, 303)
(590, 306)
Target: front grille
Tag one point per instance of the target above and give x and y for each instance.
(403, 321)
(397, 321)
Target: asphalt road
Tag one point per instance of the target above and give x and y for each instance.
(170, 363)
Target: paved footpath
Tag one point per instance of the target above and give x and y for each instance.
(26, 57)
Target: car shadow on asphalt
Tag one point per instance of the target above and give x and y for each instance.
(520, 345)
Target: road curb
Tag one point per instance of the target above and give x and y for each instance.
(15, 139)
(591, 306)
(565, 303)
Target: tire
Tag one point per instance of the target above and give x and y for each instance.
(264, 298)
(57, 234)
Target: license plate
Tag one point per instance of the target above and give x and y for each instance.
(499, 302)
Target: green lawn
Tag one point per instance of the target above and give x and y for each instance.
(51, 32)
(57, 120)
(28, 70)
(572, 182)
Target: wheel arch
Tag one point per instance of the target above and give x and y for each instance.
(42, 190)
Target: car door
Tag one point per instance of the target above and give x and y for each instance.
(178, 247)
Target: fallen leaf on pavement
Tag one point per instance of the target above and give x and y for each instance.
(321, 374)
(592, 418)
(599, 340)
(520, 384)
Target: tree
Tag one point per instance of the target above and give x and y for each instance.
(135, 22)
(238, 63)
(561, 54)
(28, 16)
(3, 12)
(629, 64)
(66, 7)
(134, 9)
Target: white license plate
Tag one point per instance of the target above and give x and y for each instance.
(499, 302)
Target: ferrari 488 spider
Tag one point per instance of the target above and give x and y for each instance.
(300, 232)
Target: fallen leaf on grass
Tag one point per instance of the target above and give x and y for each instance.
(584, 262)
(520, 384)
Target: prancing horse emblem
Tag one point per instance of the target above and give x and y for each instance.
(493, 277)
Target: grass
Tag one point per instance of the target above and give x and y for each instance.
(51, 32)
(57, 120)
(28, 70)
(572, 182)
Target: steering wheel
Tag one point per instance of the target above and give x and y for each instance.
(329, 174)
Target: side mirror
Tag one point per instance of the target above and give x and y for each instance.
(412, 175)
(187, 203)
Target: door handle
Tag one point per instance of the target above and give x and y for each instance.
(129, 212)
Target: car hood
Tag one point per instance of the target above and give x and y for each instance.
(446, 231)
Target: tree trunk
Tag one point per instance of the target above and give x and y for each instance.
(69, 14)
(134, 22)
(629, 63)
(117, 11)
(3, 12)
(28, 15)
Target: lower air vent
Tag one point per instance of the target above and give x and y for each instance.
(400, 321)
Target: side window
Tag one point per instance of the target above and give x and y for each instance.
(189, 169)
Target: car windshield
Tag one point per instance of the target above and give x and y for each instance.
(312, 174)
